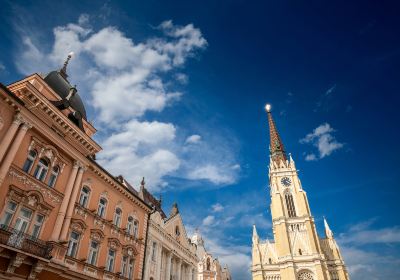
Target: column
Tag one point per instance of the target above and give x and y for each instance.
(71, 205)
(13, 150)
(5, 143)
(179, 269)
(168, 266)
(159, 260)
(67, 194)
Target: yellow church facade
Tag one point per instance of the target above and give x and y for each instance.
(297, 252)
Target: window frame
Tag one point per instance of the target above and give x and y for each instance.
(85, 196)
(53, 176)
(102, 212)
(93, 251)
(41, 169)
(117, 217)
(30, 159)
(111, 260)
(72, 251)
(9, 212)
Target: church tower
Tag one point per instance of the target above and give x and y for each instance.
(297, 252)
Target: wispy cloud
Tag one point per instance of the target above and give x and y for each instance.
(322, 138)
(324, 100)
(359, 246)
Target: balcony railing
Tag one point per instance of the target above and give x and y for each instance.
(24, 242)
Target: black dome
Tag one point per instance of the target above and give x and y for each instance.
(62, 87)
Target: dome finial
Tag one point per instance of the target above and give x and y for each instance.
(63, 70)
(268, 107)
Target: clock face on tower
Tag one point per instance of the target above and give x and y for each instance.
(286, 181)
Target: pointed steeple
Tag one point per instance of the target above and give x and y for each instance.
(276, 148)
(255, 235)
(328, 232)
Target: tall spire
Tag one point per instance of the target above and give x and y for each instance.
(276, 148)
(255, 235)
(328, 232)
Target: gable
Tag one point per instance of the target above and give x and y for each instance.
(174, 226)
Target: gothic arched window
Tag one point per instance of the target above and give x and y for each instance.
(41, 169)
(29, 161)
(208, 264)
(290, 204)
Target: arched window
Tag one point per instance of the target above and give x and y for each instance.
(135, 228)
(117, 217)
(129, 226)
(177, 232)
(290, 205)
(29, 161)
(208, 264)
(41, 169)
(53, 176)
(84, 197)
(300, 252)
(270, 261)
(101, 210)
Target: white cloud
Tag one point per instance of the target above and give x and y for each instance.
(311, 157)
(323, 140)
(213, 173)
(209, 220)
(193, 139)
(2, 67)
(182, 78)
(121, 80)
(217, 207)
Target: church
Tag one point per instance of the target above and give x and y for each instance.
(297, 252)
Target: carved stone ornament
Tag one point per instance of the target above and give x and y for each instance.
(32, 200)
(50, 194)
(49, 154)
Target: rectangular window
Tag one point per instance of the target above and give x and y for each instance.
(73, 244)
(23, 220)
(154, 251)
(37, 226)
(124, 266)
(93, 252)
(130, 268)
(110, 260)
(9, 213)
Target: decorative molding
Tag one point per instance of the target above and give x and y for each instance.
(51, 194)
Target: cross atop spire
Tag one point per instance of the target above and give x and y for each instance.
(276, 148)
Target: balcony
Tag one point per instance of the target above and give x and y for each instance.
(24, 242)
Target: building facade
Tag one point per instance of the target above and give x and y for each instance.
(171, 255)
(297, 252)
(209, 268)
(62, 215)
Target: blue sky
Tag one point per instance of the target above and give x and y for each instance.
(177, 90)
